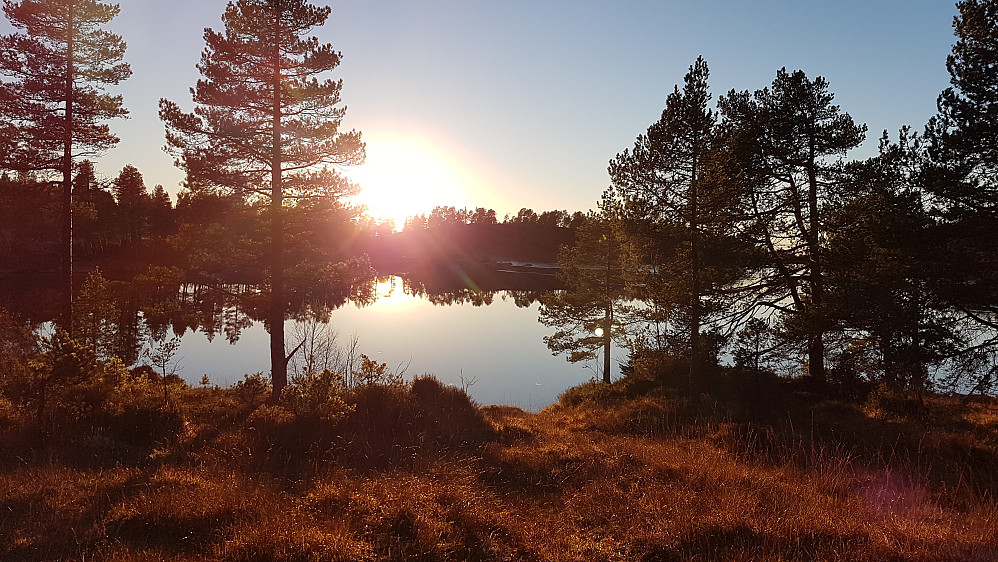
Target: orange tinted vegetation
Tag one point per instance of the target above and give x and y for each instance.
(415, 472)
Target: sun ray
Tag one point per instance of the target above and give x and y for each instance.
(405, 176)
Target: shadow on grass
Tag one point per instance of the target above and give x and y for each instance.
(742, 543)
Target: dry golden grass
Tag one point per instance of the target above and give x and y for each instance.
(635, 480)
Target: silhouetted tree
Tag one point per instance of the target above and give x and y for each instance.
(133, 202)
(85, 181)
(788, 141)
(961, 175)
(882, 271)
(414, 223)
(446, 216)
(54, 102)
(265, 127)
(963, 136)
(160, 212)
(482, 215)
(962, 148)
(524, 216)
(590, 313)
(95, 213)
(29, 219)
(671, 199)
(551, 219)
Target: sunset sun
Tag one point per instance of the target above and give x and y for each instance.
(405, 176)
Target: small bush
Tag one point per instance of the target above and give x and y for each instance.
(270, 426)
(253, 390)
(10, 415)
(592, 392)
(143, 428)
(392, 424)
(316, 398)
(305, 420)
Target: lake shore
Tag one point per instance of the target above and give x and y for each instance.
(418, 472)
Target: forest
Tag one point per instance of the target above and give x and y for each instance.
(811, 339)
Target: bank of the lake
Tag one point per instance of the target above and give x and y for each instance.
(415, 472)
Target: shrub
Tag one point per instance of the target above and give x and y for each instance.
(17, 345)
(885, 403)
(592, 392)
(316, 398)
(253, 390)
(59, 384)
(649, 372)
(305, 420)
(372, 372)
(10, 414)
(393, 423)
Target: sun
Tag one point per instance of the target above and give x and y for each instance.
(405, 176)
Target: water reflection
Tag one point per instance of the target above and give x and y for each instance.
(492, 338)
(462, 325)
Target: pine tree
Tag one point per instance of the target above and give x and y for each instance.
(963, 136)
(882, 271)
(591, 312)
(266, 127)
(962, 147)
(160, 212)
(961, 177)
(665, 183)
(54, 103)
(787, 141)
(130, 192)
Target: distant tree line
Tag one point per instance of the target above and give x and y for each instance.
(449, 236)
(108, 214)
(745, 232)
(442, 216)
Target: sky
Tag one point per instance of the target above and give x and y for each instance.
(522, 103)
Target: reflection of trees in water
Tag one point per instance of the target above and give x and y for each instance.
(121, 318)
(474, 297)
(477, 286)
(31, 297)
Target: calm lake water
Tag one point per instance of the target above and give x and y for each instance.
(498, 345)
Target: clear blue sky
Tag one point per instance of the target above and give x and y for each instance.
(533, 97)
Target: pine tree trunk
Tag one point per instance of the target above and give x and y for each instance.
(66, 234)
(278, 357)
(695, 343)
(608, 311)
(608, 323)
(816, 340)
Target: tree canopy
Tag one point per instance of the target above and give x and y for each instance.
(55, 103)
(265, 127)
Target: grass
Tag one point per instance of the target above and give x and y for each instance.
(417, 472)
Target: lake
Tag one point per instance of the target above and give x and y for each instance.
(498, 345)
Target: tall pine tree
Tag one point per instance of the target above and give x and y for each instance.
(961, 176)
(962, 168)
(265, 127)
(788, 141)
(963, 136)
(132, 196)
(665, 184)
(54, 103)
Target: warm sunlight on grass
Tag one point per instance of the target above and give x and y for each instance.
(408, 175)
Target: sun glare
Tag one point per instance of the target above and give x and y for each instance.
(405, 176)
